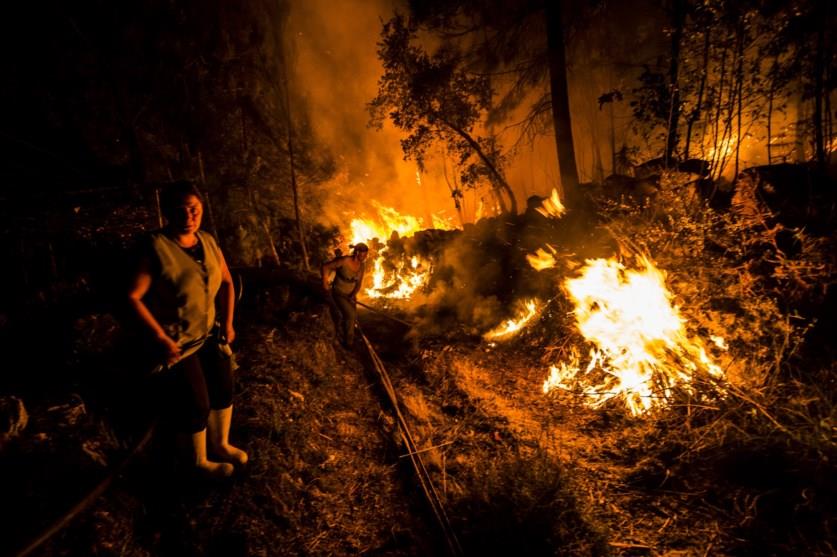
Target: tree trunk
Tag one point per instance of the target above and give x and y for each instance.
(739, 92)
(205, 193)
(561, 103)
(677, 19)
(299, 229)
(770, 123)
(829, 117)
(158, 207)
(695, 115)
(495, 191)
(264, 226)
(598, 164)
(800, 138)
(715, 160)
(612, 141)
(455, 192)
(819, 142)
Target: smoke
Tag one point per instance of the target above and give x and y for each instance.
(334, 75)
(480, 274)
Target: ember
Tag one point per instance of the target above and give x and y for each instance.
(641, 346)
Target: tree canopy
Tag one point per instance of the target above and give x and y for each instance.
(433, 98)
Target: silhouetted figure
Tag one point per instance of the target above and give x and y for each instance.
(348, 276)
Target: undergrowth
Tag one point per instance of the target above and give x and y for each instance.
(523, 505)
(761, 452)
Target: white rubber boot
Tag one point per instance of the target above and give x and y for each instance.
(206, 467)
(219, 437)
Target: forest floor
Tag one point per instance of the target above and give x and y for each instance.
(519, 472)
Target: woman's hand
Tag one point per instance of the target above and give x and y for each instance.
(171, 350)
(229, 333)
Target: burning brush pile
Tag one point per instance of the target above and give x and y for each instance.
(504, 278)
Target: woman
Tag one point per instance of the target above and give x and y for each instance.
(181, 275)
(348, 276)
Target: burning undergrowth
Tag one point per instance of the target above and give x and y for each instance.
(709, 323)
(652, 301)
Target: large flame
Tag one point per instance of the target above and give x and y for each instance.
(525, 314)
(640, 345)
(387, 221)
(399, 279)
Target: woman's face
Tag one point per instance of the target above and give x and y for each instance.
(360, 255)
(185, 218)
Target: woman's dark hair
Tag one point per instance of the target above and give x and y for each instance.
(360, 246)
(174, 194)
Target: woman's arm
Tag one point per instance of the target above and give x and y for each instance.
(328, 267)
(139, 287)
(226, 301)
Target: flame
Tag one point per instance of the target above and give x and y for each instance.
(719, 342)
(441, 222)
(400, 279)
(364, 230)
(399, 283)
(543, 259)
(388, 221)
(526, 312)
(552, 206)
(639, 338)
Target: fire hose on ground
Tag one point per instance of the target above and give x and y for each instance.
(425, 481)
(382, 314)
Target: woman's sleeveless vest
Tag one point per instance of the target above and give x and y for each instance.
(182, 294)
